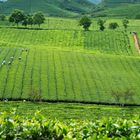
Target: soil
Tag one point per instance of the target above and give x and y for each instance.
(137, 44)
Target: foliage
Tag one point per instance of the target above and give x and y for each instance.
(125, 23)
(85, 22)
(17, 16)
(113, 25)
(25, 21)
(30, 20)
(101, 24)
(127, 96)
(66, 111)
(2, 17)
(137, 16)
(38, 18)
(13, 126)
(35, 95)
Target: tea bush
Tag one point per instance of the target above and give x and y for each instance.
(15, 127)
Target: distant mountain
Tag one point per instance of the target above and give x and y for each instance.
(95, 1)
(112, 3)
(74, 8)
(49, 7)
(118, 8)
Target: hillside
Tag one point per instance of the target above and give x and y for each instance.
(114, 3)
(118, 8)
(49, 7)
(63, 63)
(74, 8)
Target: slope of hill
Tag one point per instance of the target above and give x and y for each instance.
(69, 65)
(114, 3)
(49, 7)
(118, 8)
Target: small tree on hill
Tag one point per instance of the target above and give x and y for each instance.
(35, 95)
(128, 96)
(113, 25)
(25, 21)
(85, 22)
(38, 18)
(137, 16)
(30, 20)
(117, 96)
(17, 17)
(101, 24)
(2, 17)
(125, 23)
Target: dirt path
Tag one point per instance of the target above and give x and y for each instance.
(136, 39)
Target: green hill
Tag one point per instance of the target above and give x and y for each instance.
(118, 8)
(49, 7)
(73, 8)
(114, 3)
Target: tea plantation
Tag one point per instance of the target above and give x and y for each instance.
(68, 64)
(38, 127)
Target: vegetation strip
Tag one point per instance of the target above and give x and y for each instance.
(37, 127)
(68, 101)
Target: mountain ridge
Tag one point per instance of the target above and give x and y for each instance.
(118, 8)
(48, 7)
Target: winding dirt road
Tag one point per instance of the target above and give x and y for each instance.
(136, 39)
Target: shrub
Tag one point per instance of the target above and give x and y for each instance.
(17, 16)
(125, 23)
(38, 18)
(126, 96)
(35, 95)
(2, 17)
(85, 22)
(137, 16)
(101, 24)
(113, 25)
(14, 127)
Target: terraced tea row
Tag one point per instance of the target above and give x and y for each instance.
(67, 75)
(114, 42)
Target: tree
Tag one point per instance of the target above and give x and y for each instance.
(101, 24)
(30, 20)
(85, 22)
(2, 17)
(38, 18)
(117, 96)
(125, 23)
(113, 25)
(25, 21)
(35, 95)
(17, 16)
(128, 96)
(137, 16)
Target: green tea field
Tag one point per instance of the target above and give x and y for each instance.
(64, 63)
(69, 70)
